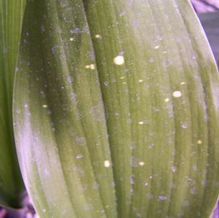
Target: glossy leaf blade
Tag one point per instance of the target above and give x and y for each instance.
(11, 185)
(117, 92)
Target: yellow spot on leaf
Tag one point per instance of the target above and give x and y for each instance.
(90, 66)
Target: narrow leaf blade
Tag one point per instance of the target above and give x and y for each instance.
(11, 185)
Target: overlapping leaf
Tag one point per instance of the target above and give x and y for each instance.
(116, 110)
(11, 13)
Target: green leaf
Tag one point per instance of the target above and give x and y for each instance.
(116, 110)
(11, 185)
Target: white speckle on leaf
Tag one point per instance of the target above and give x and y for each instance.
(162, 198)
(71, 39)
(166, 99)
(98, 36)
(90, 66)
(79, 156)
(87, 66)
(73, 97)
(119, 60)
(141, 122)
(140, 80)
(184, 125)
(156, 47)
(173, 168)
(199, 142)
(141, 163)
(146, 184)
(107, 163)
(182, 83)
(69, 79)
(45, 106)
(177, 94)
(193, 57)
(17, 69)
(132, 180)
(76, 30)
(122, 77)
(116, 114)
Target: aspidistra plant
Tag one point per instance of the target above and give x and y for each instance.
(116, 110)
